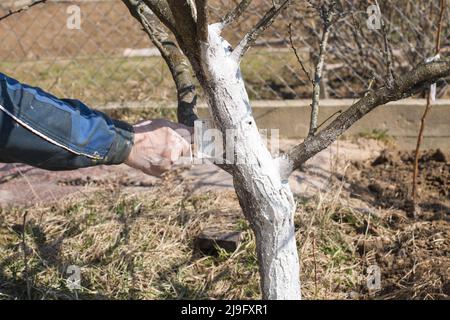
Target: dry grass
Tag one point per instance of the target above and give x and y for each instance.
(128, 246)
(140, 246)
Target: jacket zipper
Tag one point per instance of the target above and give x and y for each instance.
(48, 139)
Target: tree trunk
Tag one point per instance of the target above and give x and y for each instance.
(260, 180)
(275, 244)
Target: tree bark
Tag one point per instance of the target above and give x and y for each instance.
(273, 225)
(174, 58)
(261, 185)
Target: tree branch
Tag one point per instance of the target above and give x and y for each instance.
(142, 13)
(299, 60)
(12, 12)
(317, 79)
(202, 20)
(439, 28)
(387, 51)
(161, 9)
(174, 58)
(185, 15)
(330, 13)
(411, 83)
(265, 22)
(236, 13)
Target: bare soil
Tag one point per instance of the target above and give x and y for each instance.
(415, 259)
(386, 182)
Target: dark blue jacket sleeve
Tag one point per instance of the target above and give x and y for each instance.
(39, 129)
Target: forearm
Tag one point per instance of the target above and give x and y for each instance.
(39, 129)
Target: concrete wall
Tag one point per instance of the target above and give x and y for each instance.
(401, 119)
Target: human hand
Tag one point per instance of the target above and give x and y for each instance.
(158, 145)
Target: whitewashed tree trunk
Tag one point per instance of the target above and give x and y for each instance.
(260, 181)
(275, 240)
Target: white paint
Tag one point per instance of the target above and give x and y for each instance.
(269, 203)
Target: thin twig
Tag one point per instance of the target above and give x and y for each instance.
(291, 41)
(329, 14)
(315, 265)
(387, 51)
(317, 79)
(326, 120)
(25, 257)
(419, 142)
(265, 22)
(425, 113)
(12, 12)
(439, 31)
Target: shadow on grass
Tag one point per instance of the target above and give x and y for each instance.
(22, 285)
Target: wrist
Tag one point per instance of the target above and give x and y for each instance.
(122, 145)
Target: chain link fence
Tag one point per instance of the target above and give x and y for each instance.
(108, 58)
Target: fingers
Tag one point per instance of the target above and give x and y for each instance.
(181, 152)
(159, 145)
(151, 125)
(186, 133)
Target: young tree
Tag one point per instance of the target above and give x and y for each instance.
(260, 181)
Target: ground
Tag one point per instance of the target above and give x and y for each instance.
(133, 236)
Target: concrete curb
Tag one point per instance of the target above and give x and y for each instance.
(401, 119)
